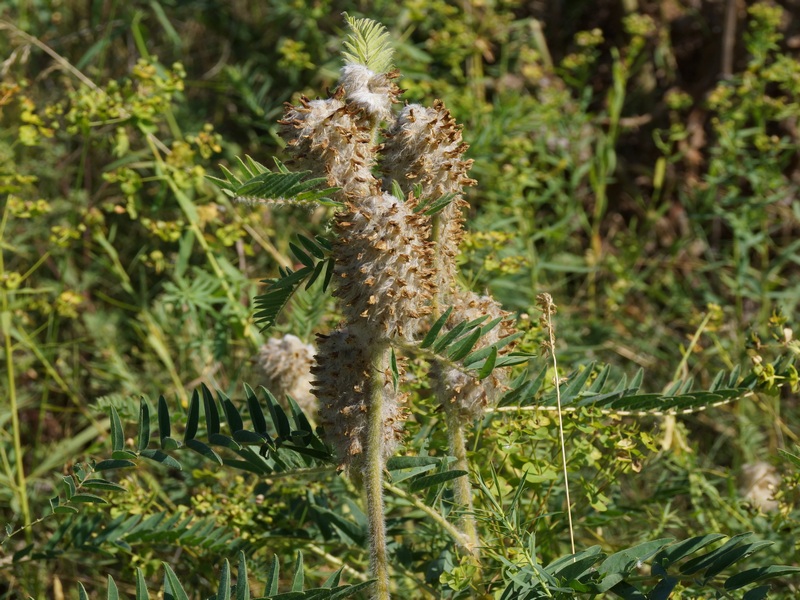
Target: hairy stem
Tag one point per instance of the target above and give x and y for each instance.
(373, 483)
(462, 489)
(462, 493)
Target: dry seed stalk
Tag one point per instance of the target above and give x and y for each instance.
(544, 302)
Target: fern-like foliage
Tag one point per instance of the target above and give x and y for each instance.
(587, 573)
(368, 44)
(281, 444)
(316, 258)
(671, 563)
(423, 473)
(258, 449)
(591, 387)
(172, 588)
(256, 183)
(97, 534)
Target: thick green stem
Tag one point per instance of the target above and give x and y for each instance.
(373, 483)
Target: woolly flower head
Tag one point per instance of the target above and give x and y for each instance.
(344, 382)
(383, 266)
(286, 363)
(370, 92)
(424, 147)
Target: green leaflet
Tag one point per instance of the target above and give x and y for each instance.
(596, 388)
(624, 573)
(279, 291)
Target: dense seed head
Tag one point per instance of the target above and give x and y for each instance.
(332, 139)
(344, 382)
(286, 363)
(383, 266)
(424, 146)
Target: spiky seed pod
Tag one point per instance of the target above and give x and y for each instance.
(373, 93)
(425, 147)
(383, 266)
(464, 395)
(344, 380)
(332, 140)
(286, 363)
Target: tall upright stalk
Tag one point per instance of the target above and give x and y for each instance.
(5, 325)
(544, 302)
(373, 489)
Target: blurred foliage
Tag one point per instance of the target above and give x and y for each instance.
(655, 200)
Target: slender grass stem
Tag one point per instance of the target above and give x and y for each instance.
(681, 368)
(190, 211)
(336, 562)
(5, 325)
(672, 435)
(60, 60)
(22, 494)
(458, 536)
(27, 341)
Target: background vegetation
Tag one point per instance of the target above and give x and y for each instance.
(638, 161)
